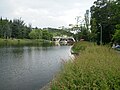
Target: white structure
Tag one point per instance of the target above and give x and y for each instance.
(63, 40)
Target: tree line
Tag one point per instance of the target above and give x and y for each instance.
(104, 23)
(105, 20)
(17, 29)
(14, 29)
(40, 34)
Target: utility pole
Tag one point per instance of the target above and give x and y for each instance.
(100, 33)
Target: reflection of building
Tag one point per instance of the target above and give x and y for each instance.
(64, 40)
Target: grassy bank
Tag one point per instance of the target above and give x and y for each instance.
(96, 68)
(22, 42)
(79, 47)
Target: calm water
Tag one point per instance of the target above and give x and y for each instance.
(30, 68)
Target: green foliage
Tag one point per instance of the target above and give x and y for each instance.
(13, 29)
(5, 30)
(24, 42)
(40, 34)
(104, 14)
(59, 32)
(116, 36)
(97, 68)
(32, 35)
(19, 29)
(46, 35)
(118, 26)
(78, 47)
(93, 34)
(83, 33)
(35, 34)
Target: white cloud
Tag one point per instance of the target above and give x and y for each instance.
(45, 13)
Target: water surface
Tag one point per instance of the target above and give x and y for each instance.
(30, 68)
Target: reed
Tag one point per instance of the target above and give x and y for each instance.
(25, 42)
(96, 68)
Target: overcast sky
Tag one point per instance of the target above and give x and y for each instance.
(45, 13)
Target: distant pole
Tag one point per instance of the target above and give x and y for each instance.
(100, 34)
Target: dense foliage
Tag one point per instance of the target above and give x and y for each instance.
(105, 15)
(19, 30)
(83, 33)
(116, 36)
(14, 29)
(59, 32)
(40, 34)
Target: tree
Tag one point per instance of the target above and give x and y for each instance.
(5, 29)
(33, 35)
(19, 29)
(14, 29)
(46, 35)
(87, 19)
(93, 34)
(40, 34)
(106, 15)
(116, 36)
(83, 33)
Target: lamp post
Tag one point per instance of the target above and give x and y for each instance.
(100, 34)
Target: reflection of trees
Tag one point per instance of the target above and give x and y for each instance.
(17, 52)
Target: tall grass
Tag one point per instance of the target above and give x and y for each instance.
(96, 68)
(23, 42)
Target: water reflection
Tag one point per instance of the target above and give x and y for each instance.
(30, 68)
(20, 44)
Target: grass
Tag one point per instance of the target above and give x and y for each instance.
(96, 68)
(23, 42)
(78, 47)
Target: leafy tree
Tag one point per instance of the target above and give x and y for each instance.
(33, 35)
(5, 30)
(14, 29)
(59, 32)
(18, 28)
(116, 36)
(105, 14)
(46, 35)
(83, 33)
(93, 34)
(40, 34)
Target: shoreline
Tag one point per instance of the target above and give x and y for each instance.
(46, 87)
(94, 63)
(22, 42)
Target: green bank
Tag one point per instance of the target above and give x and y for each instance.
(24, 42)
(96, 68)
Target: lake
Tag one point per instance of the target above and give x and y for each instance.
(30, 68)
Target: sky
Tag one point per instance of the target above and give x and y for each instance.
(45, 13)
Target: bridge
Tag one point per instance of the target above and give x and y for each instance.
(63, 40)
